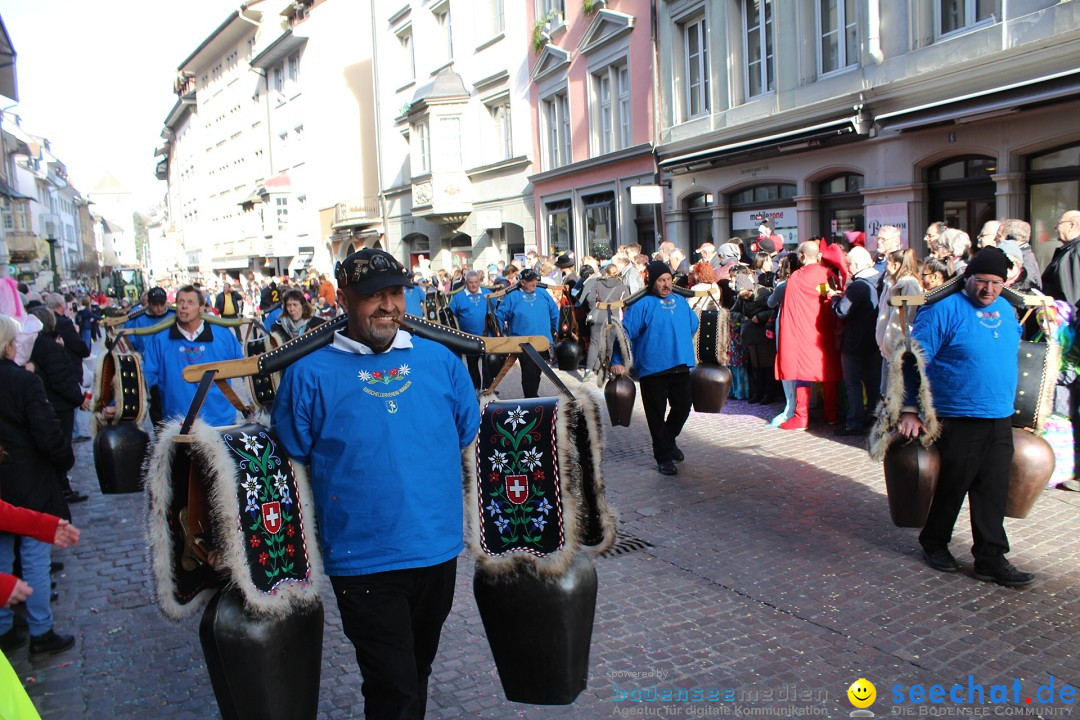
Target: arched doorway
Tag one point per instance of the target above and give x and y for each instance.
(962, 192)
(699, 209)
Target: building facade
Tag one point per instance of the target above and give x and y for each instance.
(592, 93)
(454, 129)
(838, 116)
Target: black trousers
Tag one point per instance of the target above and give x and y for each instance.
(530, 377)
(394, 620)
(976, 454)
(657, 392)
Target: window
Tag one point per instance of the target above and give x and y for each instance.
(5, 210)
(492, 14)
(504, 141)
(422, 148)
(556, 119)
(408, 54)
(954, 15)
(294, 68)
(548, 8)
(758, 21)
(443, 40)
(282, 205)
(696, 68)
(839, 35)
(611, 109)
(560, 227)
(279, 78)
(449, 143)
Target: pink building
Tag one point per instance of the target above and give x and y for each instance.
(592, 90)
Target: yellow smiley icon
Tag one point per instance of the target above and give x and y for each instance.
(862, 693)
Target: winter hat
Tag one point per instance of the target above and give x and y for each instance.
(654, 270)
(989, 261)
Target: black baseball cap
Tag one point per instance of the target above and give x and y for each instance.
(368, 271)
(156, 296)
(528, 274)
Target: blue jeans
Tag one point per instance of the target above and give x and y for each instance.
(36, 559)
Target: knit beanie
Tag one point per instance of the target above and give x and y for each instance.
(989, 261)
(654, 270)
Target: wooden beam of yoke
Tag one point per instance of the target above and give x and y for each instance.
(614, 304)
(283, 355)
(1027, 300)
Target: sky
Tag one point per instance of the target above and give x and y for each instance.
(95, 78)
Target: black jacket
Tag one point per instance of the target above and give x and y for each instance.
(73, 343)
(35, 448)
(53, 366)
(858, 307)
(238, 303)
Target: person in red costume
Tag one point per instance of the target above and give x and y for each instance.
(807, 350)
(46, 528)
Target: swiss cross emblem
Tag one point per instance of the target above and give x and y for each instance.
(517, 488)
(271, 517)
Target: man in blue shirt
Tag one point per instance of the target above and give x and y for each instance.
(191, 341)
(969, 341)
(415, 295)
(661, 329)
(470, 308)
(528, 311)
(358, 412)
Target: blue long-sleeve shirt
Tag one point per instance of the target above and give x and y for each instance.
(166, 354)
(137, 342)
(382, 434)
(529, 313)
(470, 310)
(661, 332)
(971, 357)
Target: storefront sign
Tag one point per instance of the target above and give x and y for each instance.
(887, 214)
(776, 217)
(646, 195)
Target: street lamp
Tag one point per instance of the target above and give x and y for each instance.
(52, 260)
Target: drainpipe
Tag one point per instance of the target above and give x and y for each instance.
(873, 31)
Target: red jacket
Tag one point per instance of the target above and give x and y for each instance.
(21, 521)
(808, 341)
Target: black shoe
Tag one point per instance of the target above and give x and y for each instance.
(667, 468)
(677, 454)
(12, 640)
(941, 560)
(1005, 574)
(42, 646)
(56, 567)
(75, 497)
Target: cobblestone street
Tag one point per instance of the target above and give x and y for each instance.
(768, 571)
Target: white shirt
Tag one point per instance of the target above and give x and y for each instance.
(193, 335)
(402, 341)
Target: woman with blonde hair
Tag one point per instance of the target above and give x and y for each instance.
(901, 279)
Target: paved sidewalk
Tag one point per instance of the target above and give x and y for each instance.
(771, 577)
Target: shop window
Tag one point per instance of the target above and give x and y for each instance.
(1053, 187)
(962, 193)
(841, 208)
(560, 226)
(599, 224)
(769, 203)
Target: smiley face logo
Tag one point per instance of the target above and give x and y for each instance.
(862, 693)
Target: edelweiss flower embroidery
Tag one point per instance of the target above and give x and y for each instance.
(531, 458)
(516, 417)
(499, 461)
(251, 443)
(364, 375)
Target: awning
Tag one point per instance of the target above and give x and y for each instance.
(278, 50)
(8, 192)
(986, 104)
(239, 262)
(810, 136)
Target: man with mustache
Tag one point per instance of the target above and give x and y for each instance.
(358, 413)
(969, 342)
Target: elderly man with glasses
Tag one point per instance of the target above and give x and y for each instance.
(1061, 279)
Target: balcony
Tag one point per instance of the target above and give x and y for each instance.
(358, 212)
(22, 246)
